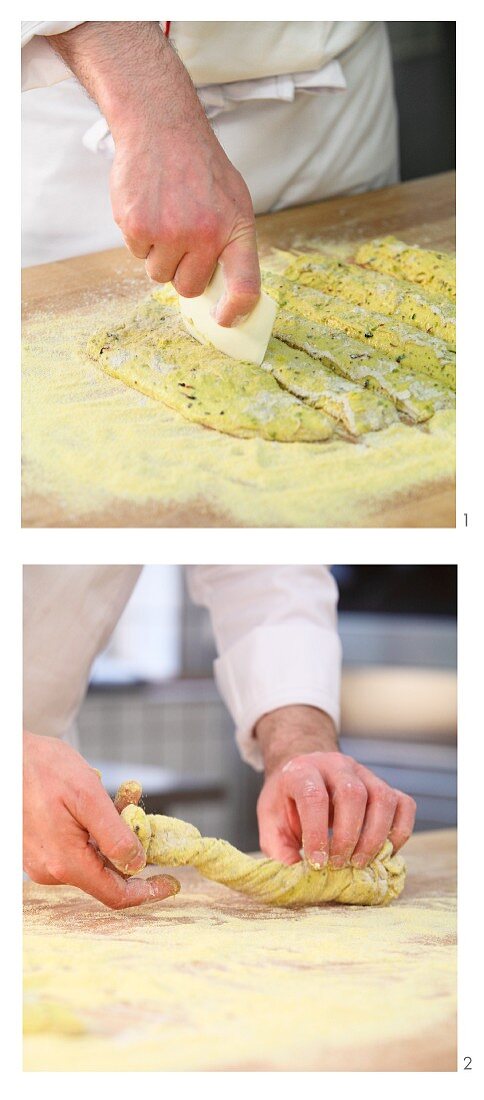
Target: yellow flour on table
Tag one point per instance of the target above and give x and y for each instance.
(211, 980)
(94, 448)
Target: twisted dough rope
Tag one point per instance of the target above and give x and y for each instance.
(173, 843)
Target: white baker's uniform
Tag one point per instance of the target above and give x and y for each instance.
(274, 626)
(304, 110)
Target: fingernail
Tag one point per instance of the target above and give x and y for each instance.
(158, 886)
(359, 860)
(138, 861)
(135, 861)
(337, 862)
(318, 859)
(218, 308)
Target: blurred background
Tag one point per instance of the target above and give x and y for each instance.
(424, 70)
(153, 712)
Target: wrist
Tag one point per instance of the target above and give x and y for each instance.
(294, 731)
(132, 73)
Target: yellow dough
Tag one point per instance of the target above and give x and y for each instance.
(373, 290)
(170, 842)
(345, 363)
(404, 344)
(434, 270)
(414, 395)
(153, 354)
(358, 409)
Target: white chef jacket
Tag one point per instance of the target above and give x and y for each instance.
(274, 626)
(304, 110)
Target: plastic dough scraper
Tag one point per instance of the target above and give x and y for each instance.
(246, 341)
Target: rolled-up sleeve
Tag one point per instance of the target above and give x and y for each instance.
(41, 67)
(276, 633)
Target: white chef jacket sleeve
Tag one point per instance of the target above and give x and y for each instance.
(41, 67)
(276, 633)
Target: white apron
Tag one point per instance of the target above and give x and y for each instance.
(303, 110)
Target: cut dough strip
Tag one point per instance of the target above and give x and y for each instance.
(434, 270)
(358, 409)
(173, 843)
(416, 350)
(378, 292)
(416, 396)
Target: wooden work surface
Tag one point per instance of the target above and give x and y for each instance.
(420, 211)
(210, 980)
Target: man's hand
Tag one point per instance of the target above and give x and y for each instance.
(70, 824)
(179, 202)
(310, 788)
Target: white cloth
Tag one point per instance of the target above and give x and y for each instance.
(214, 51)
(42, 67)
(274, 626)
(310, 117)
(219, 98)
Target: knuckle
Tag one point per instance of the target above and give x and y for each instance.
(116, 901)
(57, 869)
(35, 871)
(342, 757)
(82, 793)
(406, 802)
(293, 766)
(313, 795)
(134, 226)
(157, 274)
(171, 235)
(189, 286)
(386, 798)
(246, 289)
(352, 790)
(121, 848)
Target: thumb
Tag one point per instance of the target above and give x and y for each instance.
(98, 816)
(240, 266)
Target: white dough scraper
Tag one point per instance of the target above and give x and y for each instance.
(246, 341)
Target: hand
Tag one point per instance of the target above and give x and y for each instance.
(179, 202)
(310, 788)
(71, 828)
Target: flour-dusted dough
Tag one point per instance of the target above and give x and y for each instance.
(359, 409)
(334, 366)
(373, 290)
(170, 842)
(415, 396)
(417, 351)
(153, 354)
(433, 270)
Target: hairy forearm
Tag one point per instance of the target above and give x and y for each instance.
(291, 731)
(133, 74)
(178, 201)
